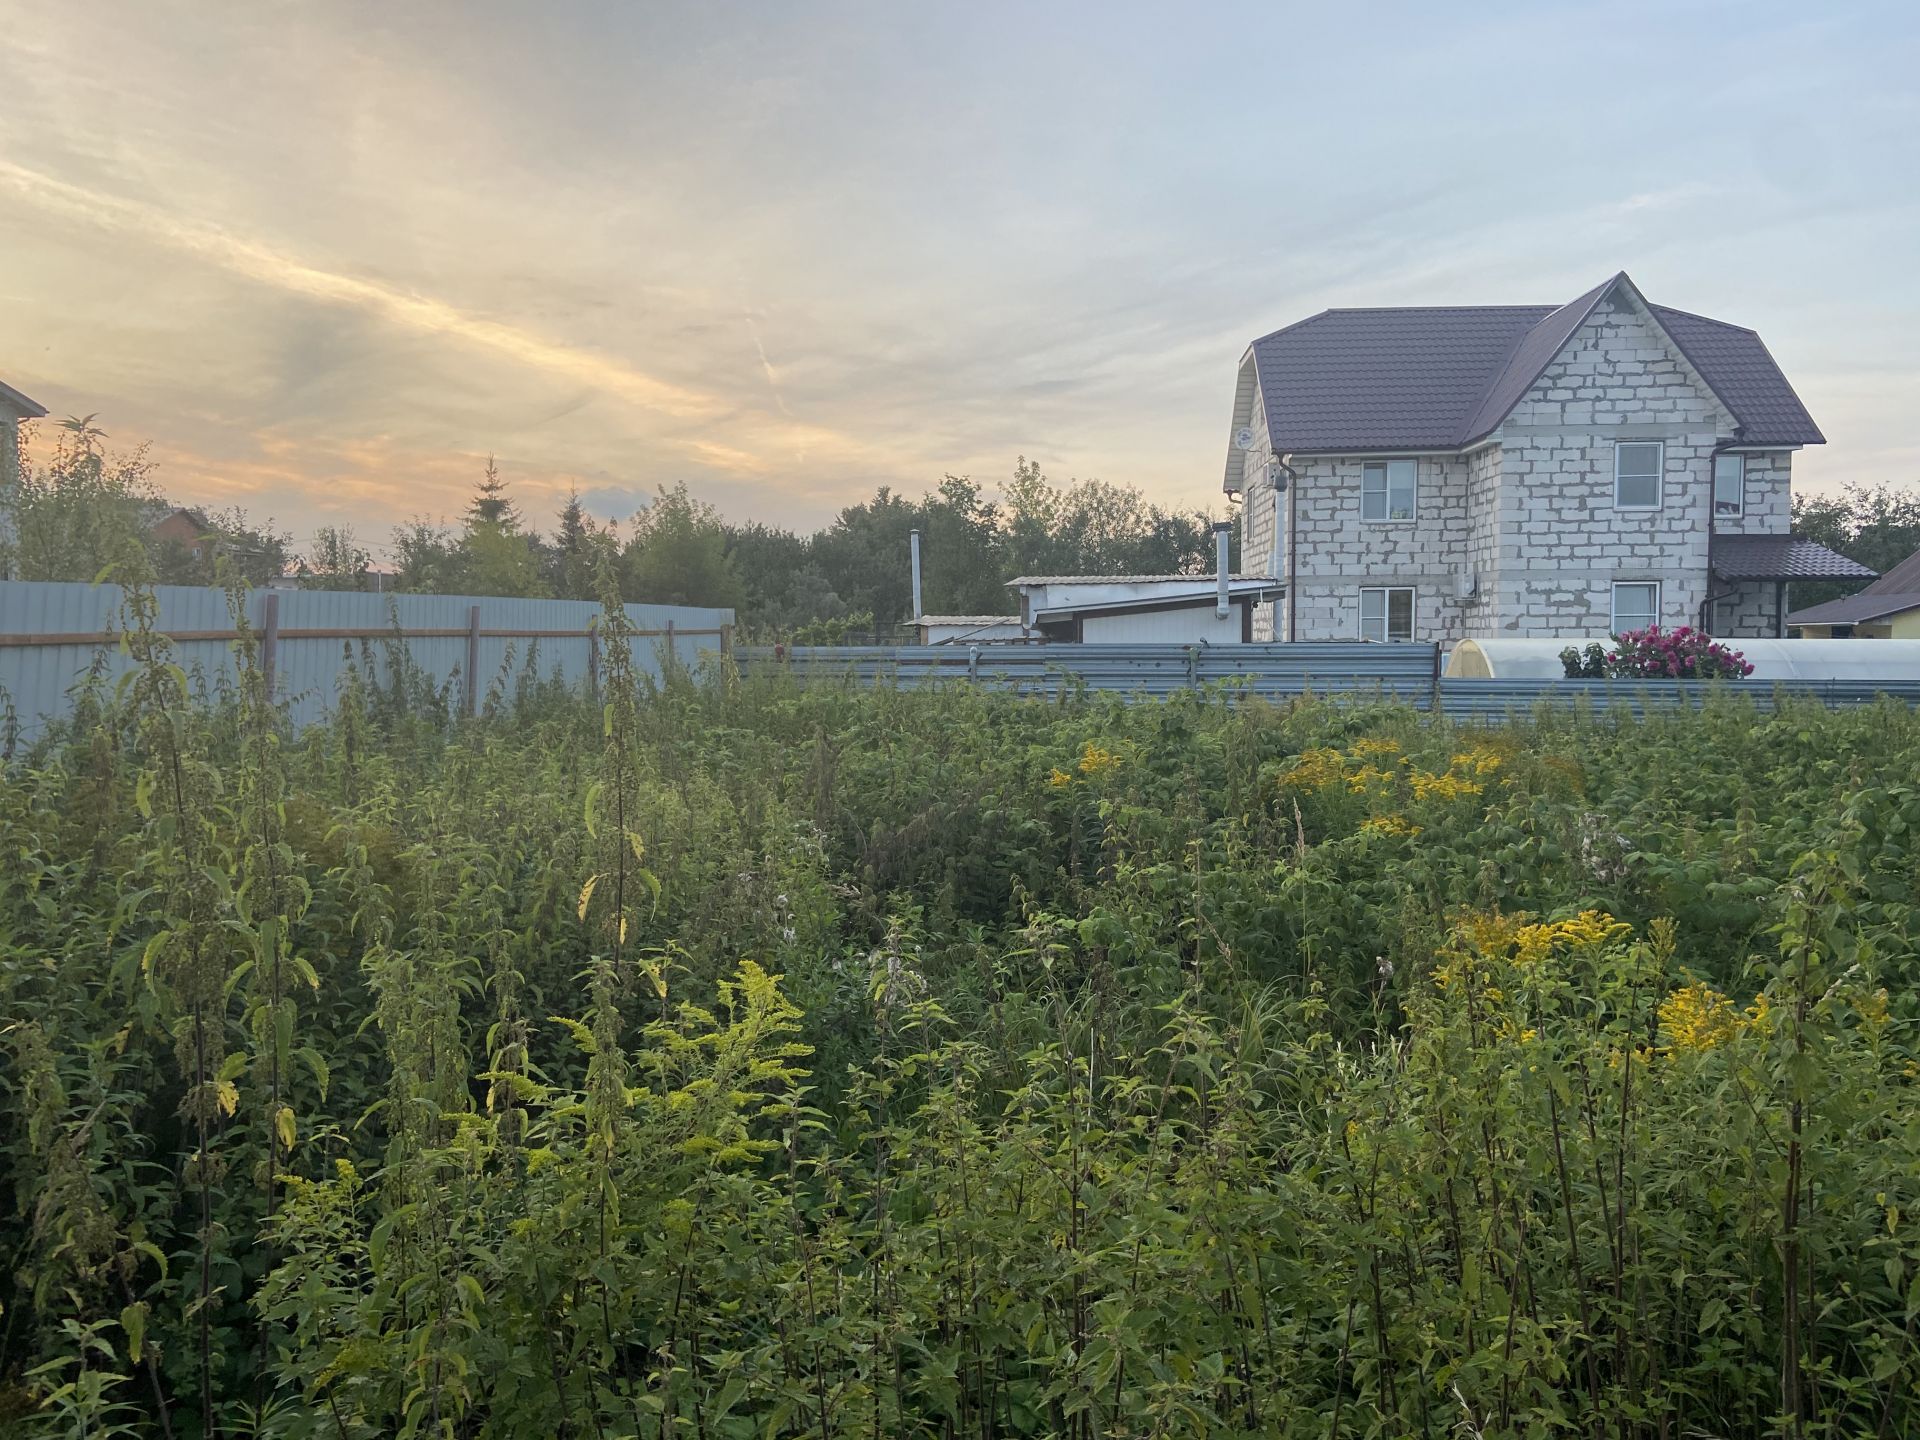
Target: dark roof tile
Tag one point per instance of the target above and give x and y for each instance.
(1440, 377)
(1737, 364)
(1780, 557)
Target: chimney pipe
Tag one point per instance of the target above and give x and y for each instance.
(913, 546)
(1222, 530)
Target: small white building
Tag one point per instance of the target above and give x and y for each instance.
(1143, 609)
(968, 629)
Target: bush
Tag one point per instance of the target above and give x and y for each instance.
(1656, 654)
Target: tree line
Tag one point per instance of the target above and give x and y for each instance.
(68, 516)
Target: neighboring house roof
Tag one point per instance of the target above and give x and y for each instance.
(1438, 378)
(1779, 557)
(33, 409)
(1855, 609)
(1903, 578)
(1894, 592)
(181, 512)
(967, 620)
(1209, 581)
(1054, 597)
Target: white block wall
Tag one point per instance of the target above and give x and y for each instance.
(1748, 611)
(1182, 626)
(1337, 553)
(1769, 502)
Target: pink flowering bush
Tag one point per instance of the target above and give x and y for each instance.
(1656, 654)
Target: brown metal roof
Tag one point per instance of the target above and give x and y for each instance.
(1437, 378)
(1780, 557)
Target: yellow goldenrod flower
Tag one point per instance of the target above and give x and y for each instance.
(1097, 759)
(1428, 786)
(1388, 825)
(1698, 1017)
(1873, 1011)
(1059, 779)
(1369, 779)
(1315, 770)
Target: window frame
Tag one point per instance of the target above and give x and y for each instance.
(1740, 506)
(1385, 467)
(1613, 604)
(1386, 593)
(1659, 474)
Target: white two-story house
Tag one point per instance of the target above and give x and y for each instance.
(1464, 472)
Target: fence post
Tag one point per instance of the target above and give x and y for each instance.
(593, 661)
(270, 641)
(1193, 667)
(473, 659)
(973, 662)
(673, 654)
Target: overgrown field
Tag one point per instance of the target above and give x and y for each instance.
(736, 1059)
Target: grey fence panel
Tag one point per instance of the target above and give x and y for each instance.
(52, 634)
(1499, 699)
(1403, 672)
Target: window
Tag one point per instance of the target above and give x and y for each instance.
(1636, 474)
(1386, 614)
(1729, 486)
(1636, 605)
(1386, 490)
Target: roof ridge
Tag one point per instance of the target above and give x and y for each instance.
(1425, 309)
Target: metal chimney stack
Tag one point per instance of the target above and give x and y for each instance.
(1222, 534)
(913, 547)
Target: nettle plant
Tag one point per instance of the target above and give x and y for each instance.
(1656, 654)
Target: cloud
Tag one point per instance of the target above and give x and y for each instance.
(659, 400)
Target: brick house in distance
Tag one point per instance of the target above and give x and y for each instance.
(1471, 472)
(185, 528)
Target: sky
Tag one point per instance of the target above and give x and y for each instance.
(326, 257)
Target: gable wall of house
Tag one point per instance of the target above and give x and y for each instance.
(1562, 541)
(1260, 533)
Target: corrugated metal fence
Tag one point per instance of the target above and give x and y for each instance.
(1496, 699)
(1408, 673)
(50, 634)
(1404, 672)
